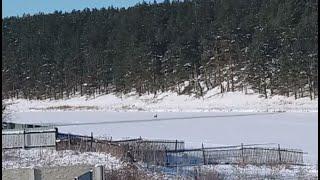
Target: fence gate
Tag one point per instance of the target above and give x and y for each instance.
(85, 176)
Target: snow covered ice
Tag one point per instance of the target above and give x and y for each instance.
(290, 130)
(295, 128)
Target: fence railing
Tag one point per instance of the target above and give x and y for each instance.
(9, 125)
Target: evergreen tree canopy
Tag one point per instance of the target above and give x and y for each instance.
(268, 45)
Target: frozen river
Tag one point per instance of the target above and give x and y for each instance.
(290, 130)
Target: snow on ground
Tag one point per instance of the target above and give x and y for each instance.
(272, 172)
(290, 130)
(235, 172)
(212, 101)
(21, 158)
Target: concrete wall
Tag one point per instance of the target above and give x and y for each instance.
(63, 173)
(50, 173)
(14, 174)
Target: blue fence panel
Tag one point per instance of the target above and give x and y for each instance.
(85, 176)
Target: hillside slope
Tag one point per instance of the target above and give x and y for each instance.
(212, 101)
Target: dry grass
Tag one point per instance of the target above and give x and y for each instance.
(85, 146)
(211, 174)
(67, 107)
(131, 172)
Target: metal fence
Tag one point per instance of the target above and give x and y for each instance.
(86, 144)
(234, 155)
(29, 137)
(150, 151)
(66, 136)
(172, 153)
(152, 144)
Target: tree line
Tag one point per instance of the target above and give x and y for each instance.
(188, 46)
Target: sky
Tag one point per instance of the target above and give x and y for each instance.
(19, 7)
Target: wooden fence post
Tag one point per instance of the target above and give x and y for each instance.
(175, 147)
(167, 160)
(91, 141)
(279, 150)
(24, 139)
(56, 136)
(154, 157)
(242, 153)
(204, 156)
(69, 140)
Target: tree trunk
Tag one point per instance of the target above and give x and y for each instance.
(265, 91)
(232, 81)
(310, 87)
(200, 88)
(81, 90)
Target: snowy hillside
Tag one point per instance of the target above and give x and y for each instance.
(212, 101)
